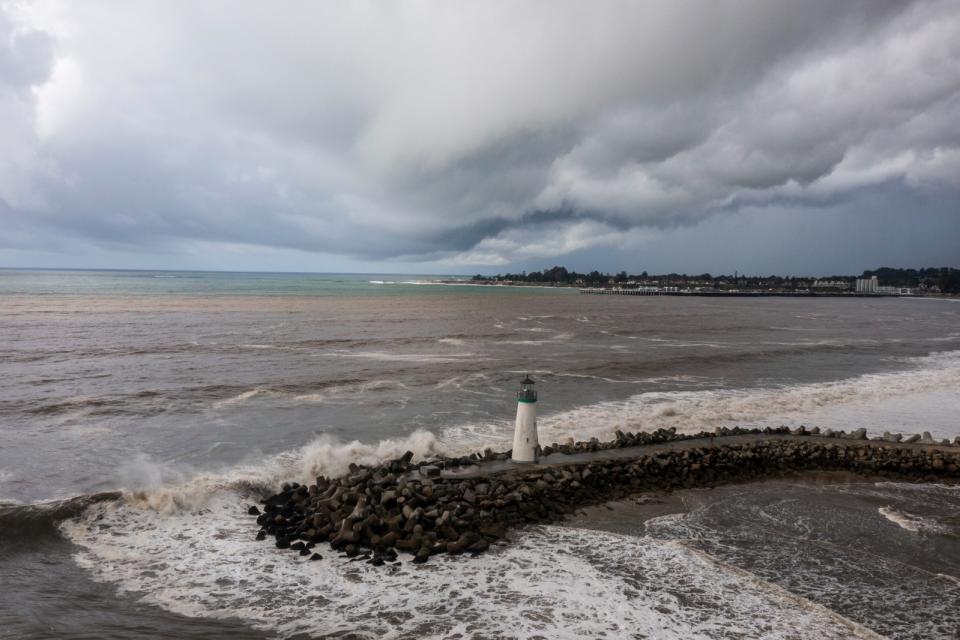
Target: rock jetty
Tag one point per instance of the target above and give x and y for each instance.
(463, 505)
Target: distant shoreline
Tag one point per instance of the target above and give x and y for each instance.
(747, 294)
(627, 291)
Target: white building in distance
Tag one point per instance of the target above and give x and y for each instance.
(868, 285)
(831, 284)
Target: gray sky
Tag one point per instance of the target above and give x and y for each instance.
(808, 137)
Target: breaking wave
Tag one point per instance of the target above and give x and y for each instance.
(840, 404)
(28, 522)
(155, 488)
(167, 491)
(693, 411)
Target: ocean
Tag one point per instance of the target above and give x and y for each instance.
(191, 391)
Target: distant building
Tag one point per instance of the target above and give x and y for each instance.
(868, 285)
(895, 291)
(831, 284)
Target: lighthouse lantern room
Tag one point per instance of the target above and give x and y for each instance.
(526, 446)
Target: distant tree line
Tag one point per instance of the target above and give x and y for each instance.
(946, 279)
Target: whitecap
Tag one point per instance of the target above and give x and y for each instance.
(240, 397)
(912, 523)
(422, 358)
(560, 337)
(901, 520)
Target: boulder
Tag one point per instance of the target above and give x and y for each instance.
(422, 555)
(479, 546)
(389, 539)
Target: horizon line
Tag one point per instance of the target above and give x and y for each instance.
(462, 274)
(317, 273)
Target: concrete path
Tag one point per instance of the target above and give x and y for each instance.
(493, 467)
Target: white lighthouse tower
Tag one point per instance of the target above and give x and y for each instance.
(526, 446)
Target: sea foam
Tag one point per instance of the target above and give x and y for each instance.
(911, 522)
(552, 582)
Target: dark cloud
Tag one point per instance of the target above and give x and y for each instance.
(469, 135)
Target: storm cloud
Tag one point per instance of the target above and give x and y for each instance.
(474, 135)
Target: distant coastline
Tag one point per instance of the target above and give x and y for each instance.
(882, 282)
(676, 292)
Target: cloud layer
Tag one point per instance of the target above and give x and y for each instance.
(466, 134)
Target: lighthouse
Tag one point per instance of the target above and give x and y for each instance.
(526, 447)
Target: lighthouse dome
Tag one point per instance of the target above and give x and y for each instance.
(527, 393)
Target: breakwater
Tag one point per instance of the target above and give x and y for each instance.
(463, 505)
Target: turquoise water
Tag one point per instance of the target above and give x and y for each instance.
(205, 283)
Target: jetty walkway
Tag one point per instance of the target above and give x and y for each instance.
(491, 467)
